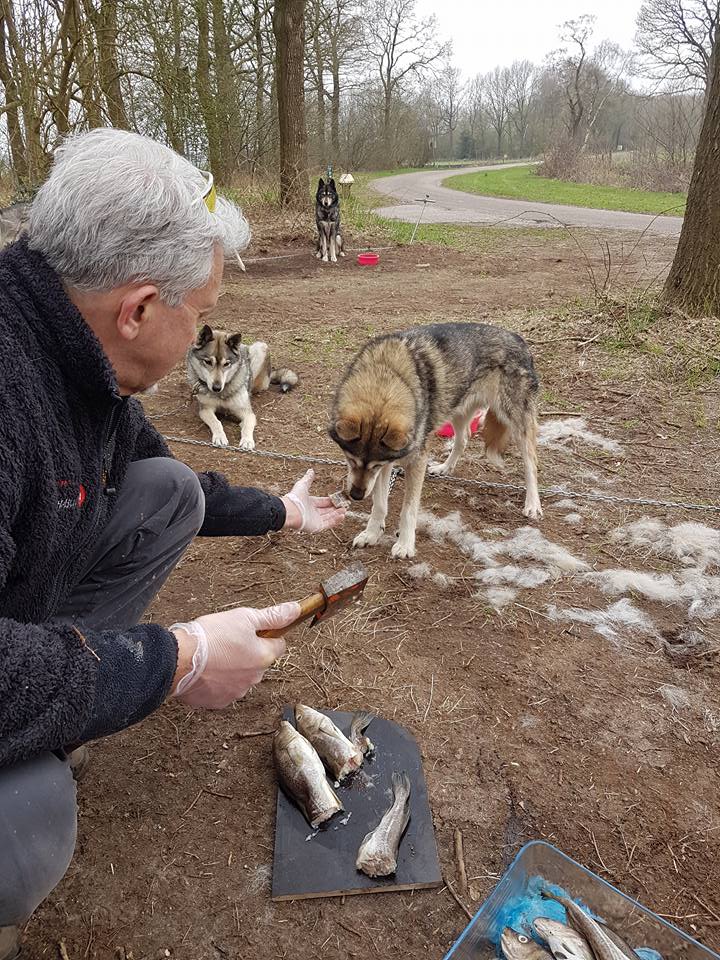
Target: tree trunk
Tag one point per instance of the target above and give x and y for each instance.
(259, 79)
(12, 95)
(203, 85)
(106, 26)
(225, 95)
(289, 30)
(694, 279)
(319, 70)
(335, 108)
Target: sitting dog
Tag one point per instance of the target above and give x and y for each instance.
(327, 218)
(401, 387)
(223, 373)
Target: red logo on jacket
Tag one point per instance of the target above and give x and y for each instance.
(72, 495)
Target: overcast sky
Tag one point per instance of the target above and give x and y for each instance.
(486, 34)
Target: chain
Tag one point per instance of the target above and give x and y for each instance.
(484, 484)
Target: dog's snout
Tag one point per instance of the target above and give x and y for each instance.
(217, 388)
(357, 493)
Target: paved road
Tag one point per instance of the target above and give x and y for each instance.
(454, 206)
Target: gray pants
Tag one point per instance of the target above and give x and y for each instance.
(159, 510)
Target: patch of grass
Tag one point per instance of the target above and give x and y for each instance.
(523, 183)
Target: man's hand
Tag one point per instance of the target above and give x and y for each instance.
(310, 514)
(228, 657)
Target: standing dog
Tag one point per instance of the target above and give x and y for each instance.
(224, 373)
(402, 387)
(327, 218)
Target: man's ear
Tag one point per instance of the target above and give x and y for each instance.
(205, 335)
(234, 341)
(348, 428)
(133, 308)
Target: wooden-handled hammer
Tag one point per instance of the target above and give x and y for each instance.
(334, 594)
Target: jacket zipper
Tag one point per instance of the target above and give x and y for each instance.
(109, 428)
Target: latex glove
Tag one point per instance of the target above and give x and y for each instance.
(229, 656)
(310, 514)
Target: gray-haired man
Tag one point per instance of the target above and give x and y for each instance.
(123, 259)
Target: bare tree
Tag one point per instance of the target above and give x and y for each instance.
(289, 29)
(520, 95)
(448, 92)
(694, 279)
(496, 85)
(401, 46)
(676, 39)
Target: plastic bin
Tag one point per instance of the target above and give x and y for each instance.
(508, 905)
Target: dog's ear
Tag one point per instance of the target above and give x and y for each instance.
(332, 183)
(348, 428)
(321, 183)
(234, 341)
(395, 438)
(204, 336)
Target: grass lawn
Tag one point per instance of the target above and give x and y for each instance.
(523, 183)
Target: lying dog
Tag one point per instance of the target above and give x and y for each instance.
(402, 387)
(327, 219)
(224, 373)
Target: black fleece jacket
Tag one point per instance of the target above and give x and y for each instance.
(66, 439)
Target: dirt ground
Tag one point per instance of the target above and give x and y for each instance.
(529, 726)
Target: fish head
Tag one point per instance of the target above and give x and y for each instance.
(517, 946)
(307, 718)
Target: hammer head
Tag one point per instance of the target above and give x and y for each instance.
(341, 589)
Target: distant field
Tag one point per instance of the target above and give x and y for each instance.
(523, 183)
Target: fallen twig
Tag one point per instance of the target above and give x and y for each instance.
(456, 898)
(460, 862)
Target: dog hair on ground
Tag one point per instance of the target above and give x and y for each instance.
(693, 544)
(453, 528)
(517, 576)
(566, 504)
(622, 613)
(423, 571)
(499, 597)
(553, 432)
(529, 544)
(573, 518)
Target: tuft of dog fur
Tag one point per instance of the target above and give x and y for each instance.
(401, 387)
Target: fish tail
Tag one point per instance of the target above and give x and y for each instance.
(360, 722)
(401, 790)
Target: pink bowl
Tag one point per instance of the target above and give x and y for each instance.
(446, 430)
(368, 259)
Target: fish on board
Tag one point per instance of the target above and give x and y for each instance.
(601, 943)
(302, 775)
(377, 855)
(564, 942)
(340, 755)
(518, 946)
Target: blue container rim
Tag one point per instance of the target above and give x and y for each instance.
(543, 843)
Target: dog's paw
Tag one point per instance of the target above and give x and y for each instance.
(248, 444)
(403, 550)
(220, 440)
(439, 469)
(333, 259)
(318, 255)
(533, 511)
(325, 259)
(368, 538)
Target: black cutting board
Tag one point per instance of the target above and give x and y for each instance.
(321, 862)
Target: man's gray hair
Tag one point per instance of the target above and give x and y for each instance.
(119, 208)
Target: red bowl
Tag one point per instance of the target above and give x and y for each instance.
(368, 259)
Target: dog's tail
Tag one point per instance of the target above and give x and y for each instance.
(285, 377)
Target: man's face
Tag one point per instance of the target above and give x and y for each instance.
(169, 331)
